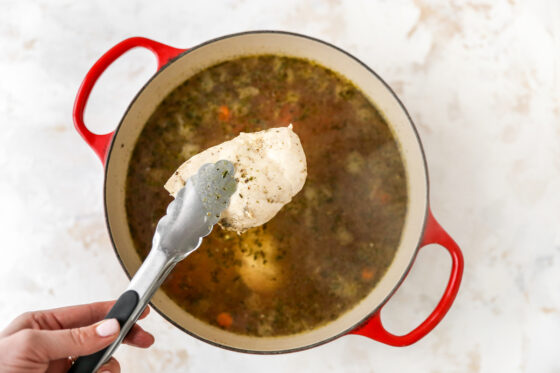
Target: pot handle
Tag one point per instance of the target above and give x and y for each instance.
(100, 143)
(373, 327)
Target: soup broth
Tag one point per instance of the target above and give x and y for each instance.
(324, 251)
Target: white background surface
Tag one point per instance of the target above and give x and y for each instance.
(481, 80)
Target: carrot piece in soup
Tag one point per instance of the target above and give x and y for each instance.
(367, 274)
(224, 319)
(223, 113)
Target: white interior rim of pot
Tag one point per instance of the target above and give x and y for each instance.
(288, 44)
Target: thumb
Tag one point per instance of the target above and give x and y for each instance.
(59, 344)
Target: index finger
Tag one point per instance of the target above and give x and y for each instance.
(85, 314)
(63, 318)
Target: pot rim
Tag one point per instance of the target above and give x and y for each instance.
(424, 222)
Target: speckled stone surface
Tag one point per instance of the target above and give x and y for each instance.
(481, 80)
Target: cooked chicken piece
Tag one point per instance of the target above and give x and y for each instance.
(270, 169)
(259, 269)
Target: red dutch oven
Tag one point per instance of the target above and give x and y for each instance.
(174, 67)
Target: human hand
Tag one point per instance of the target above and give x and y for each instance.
(48, 341)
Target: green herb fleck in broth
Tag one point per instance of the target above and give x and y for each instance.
(326, 249)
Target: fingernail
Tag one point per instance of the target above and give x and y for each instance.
(107, 328)
(106, 371)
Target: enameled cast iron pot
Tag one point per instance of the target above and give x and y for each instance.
(174, 67)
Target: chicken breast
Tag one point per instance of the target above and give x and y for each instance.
(258, 270)
(270, 168)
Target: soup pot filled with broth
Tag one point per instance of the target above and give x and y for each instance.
(325, 265)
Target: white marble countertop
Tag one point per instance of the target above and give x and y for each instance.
(481, 80)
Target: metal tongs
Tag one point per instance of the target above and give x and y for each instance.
(190, 217)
